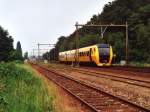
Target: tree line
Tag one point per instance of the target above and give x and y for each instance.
(7, 50)
(135, 12)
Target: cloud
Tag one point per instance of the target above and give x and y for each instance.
(33, 21)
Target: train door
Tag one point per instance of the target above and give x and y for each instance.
(66, 56)
(90, 54)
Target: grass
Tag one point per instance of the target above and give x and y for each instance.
(21, 91)
(139, 64)
(62, 102)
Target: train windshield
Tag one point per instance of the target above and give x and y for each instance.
(104, 51)
(104, 54)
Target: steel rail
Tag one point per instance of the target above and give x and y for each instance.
(123, 79)
(116, 78)
(98, 89)
(124, 68)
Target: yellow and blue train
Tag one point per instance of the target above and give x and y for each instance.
(100, 54)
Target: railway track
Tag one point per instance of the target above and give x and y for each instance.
(123, 68)
(98, 100)
(115, 77)
(124, 79)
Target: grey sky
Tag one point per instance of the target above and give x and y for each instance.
(33, 21)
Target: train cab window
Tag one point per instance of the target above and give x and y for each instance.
(88, 53)
(79, 54)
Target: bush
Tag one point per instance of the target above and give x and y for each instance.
(20, 91)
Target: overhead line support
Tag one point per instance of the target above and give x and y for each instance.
(102, 32)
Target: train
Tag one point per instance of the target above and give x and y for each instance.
(99, 54)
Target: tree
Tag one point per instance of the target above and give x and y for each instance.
(88, 40)
(6, 45)
(140, 27)
(26, 55)
(135, 12)
(19, 51)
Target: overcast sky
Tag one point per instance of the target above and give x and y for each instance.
(44, 21)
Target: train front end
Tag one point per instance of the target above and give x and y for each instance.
(105, 54)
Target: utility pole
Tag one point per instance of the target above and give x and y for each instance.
(33, 52)
(127, 45)
(77, 45)
(44, 49)
(38, 51)
(102, 33)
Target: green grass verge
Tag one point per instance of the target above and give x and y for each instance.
(139, 64)
(21, 91)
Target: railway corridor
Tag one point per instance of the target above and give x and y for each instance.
(93, 97)
(135, 91)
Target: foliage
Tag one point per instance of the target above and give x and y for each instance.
(51, 55)
(26, 55)
(88, 40)
(19, 51)
(7, 51)
(135, 12)
(6, 45)
(21, 91)
(141, 28)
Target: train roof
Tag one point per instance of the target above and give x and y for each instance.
(103, 45)
(98, 45)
